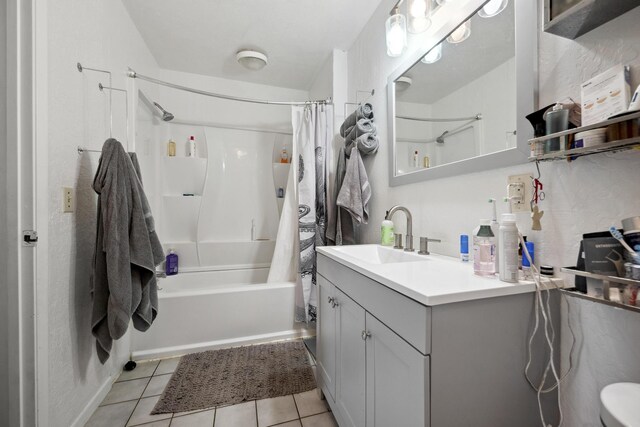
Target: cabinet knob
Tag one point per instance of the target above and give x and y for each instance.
(365, 335)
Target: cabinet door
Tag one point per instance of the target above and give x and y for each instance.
(351, 372)
(326, 352)
(397, 379)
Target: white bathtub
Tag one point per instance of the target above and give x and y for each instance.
(214, 309)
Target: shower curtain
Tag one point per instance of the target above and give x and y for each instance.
(312, 132)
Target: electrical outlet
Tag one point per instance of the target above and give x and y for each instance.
(68, 200)
(520, 192)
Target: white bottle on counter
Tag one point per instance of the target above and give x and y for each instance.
(192, 146)
(508, 252)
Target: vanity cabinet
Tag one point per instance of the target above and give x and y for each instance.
(384, 359)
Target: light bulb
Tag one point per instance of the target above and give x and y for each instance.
(461, 33)
(419, 12)
(492, 8)
(433, 55)
(417, 8)
(396, 26)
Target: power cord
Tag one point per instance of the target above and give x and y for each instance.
(543, 307)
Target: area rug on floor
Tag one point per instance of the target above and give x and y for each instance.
(234, 375)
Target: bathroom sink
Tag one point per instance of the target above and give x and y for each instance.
(376, 254)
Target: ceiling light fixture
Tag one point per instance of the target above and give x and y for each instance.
(403, 83)
(252, 59)
(492, 8)
(433, 55)
(396, 32)
(461, 33)
(419, 15)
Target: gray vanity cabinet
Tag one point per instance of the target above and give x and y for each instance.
(326, 332)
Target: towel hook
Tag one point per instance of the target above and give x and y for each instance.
(126, 107)
(82, 68)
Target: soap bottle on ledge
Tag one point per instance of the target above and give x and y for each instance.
(192, 146)
(171, 148)
(171, 263)
(386, 231)
(284, 155)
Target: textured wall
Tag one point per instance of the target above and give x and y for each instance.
(99, 34)
(590, 194)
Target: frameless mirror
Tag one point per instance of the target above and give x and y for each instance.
(460, 105)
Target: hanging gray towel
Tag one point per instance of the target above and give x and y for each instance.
(367, 144)
(340, 230)
(364, 111)
(123, 282)
(355, 193)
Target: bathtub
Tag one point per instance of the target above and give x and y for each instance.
(206, 310)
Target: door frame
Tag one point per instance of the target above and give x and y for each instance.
(27, 209)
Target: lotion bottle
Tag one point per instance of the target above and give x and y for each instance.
(508, 258)
(484, 250)
(284, 156)
(416, 159)
(171, 263)
(192, 146)
(495, 228)
(386, 231)
(171, 148)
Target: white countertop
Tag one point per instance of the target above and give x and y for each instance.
(431, 279)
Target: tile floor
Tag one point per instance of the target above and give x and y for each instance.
(136, 392)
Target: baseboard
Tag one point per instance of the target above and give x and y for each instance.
(93, 404)
(165, 352)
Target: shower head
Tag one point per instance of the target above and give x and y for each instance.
(166, 116)
(440, 139)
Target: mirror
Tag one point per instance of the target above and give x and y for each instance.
(460, 106)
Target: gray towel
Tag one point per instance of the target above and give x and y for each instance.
(367, 144)
(355, 193)
(364, 111)
(363, 126)
(340, 230)
(123, 282)
(136, 165)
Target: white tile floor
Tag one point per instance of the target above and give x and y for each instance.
(136, 392)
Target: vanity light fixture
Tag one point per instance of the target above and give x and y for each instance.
(433, 55)
(396, 31)
(252, 59)
(403, 83)
(492, 8)
(443, 2)
(461, 33)
(419, 15)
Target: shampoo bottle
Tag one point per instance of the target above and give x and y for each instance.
(192, 146)
(284, 156)
(508, 258)
(171, 148)
(484, 250)
(386, 232)
(171, 264)
(415, 161)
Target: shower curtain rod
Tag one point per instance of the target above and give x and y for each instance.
(132, 74)
(453, 119)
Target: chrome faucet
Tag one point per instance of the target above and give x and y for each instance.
(409, 237)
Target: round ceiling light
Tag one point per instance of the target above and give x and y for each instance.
(403, 83)
(252, 59)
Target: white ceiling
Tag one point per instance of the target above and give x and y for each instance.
(203, 36)
(492, 42)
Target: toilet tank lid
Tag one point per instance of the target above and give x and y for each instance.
(619, 405)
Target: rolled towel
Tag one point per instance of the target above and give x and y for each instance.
(364, 111)
(362, 126)
(366, 144)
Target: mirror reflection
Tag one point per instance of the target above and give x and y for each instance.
(459, 101)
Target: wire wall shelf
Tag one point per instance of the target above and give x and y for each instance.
(608, 283)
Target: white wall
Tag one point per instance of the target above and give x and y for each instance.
(4, 359)
(588, 195)
(99, 34)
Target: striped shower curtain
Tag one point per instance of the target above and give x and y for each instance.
(312, 134)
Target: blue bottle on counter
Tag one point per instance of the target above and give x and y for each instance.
(171, 264)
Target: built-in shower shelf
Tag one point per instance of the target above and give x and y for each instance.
(196, 196)
(184, 175)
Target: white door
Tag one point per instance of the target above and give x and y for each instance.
(351, 361)
(397, 379)
(326, 353)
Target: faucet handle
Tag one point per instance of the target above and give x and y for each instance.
(398, 241)
(424, 245)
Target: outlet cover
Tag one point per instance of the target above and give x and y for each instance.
(68, 200)
(520, 190)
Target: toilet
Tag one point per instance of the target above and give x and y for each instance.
(619, 405)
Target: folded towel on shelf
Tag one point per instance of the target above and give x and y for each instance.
(355, 192)
(364, 111)
(123, 281)
(366, 144)
(340, 229)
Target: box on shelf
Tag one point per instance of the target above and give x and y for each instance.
(605, 95)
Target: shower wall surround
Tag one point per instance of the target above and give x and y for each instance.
(587, 195)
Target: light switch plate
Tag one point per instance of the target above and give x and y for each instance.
(521, 192)
(68, 200)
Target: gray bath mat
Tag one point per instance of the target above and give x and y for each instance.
(234, 375)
